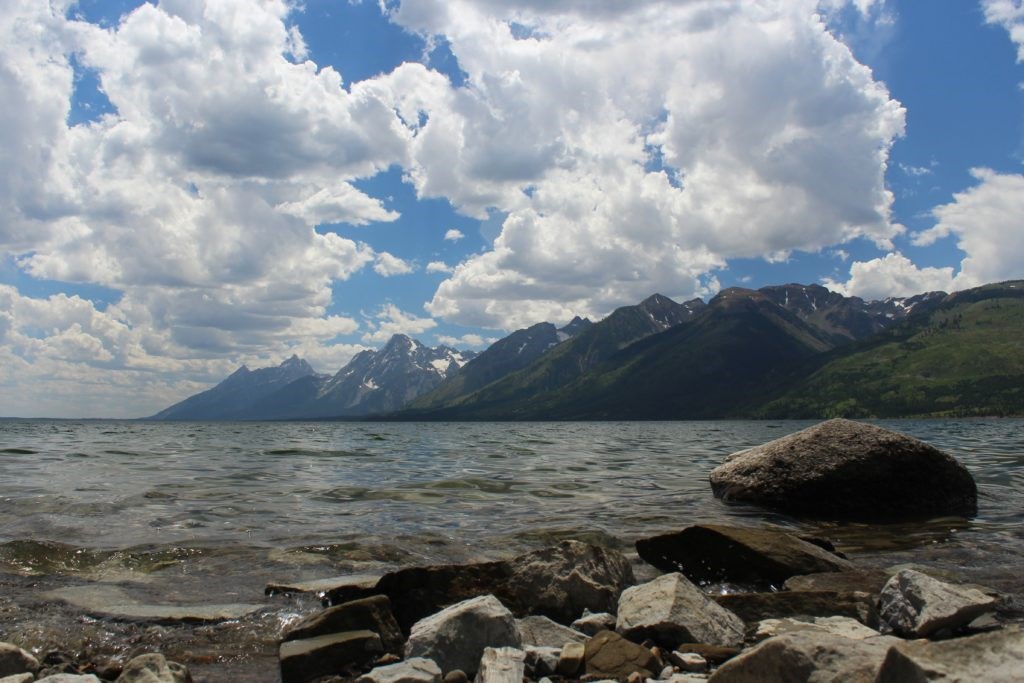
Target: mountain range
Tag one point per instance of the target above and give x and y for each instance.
(779, 351)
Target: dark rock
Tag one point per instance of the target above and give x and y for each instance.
(541, 661)
(592, 623)
(414, 670)
(153, 668)
(715, 654)
(710, 553)
(914, 605)
(609, 655)
(543, 632)
(457, 636)
(369, 614)
(842, 469)
(455, 676)
(862, 580)
(671, 610)
(807, 657)
(557, 582)
(755, 607)
(571, 660)
(14, 660)
(996, 657)
(336, 653)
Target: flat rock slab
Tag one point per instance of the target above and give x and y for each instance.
(841, 469)
(755, 607)
(337, 588)
(370, 614)
(114, 603)
(540, 631)
(710, 553)
(996, 657)
(306, 660)
(807, 657)
(915, 605)
(414, 670)
(863, 580)
(609, 655)
(838, 626)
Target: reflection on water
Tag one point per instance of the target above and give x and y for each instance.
(193, 512)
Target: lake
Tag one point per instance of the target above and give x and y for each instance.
(188, 513)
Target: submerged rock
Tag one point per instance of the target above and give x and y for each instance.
(609, 655)
(14, 660)
(671, 610)
(558, 582)
(337, 589)
(153, 668)
(996, 657)
(457, 636)
(370, 614)
(113, 602)
(842, 469)
(914, 605)
(710, 553)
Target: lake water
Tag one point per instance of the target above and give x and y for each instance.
(172, 513)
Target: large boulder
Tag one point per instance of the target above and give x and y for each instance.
(609, 655)
(336, 653)
(457, 636)
(558, 582)
(370, 614)
(671, 610)
(710, 552)
(842, 469)
(996, 657)
(914, 605)
(14, 660)
(807, 657)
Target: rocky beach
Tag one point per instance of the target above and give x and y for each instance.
(712, 602)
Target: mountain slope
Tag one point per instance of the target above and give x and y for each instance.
(238, 393)
(963, 356)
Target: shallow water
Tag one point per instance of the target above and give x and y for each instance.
(178, 513)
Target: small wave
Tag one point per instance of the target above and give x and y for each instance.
(18, 451)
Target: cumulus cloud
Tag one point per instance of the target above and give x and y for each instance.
(388, 265)
(891, 275)
(391, 320)
(439, 267)
(637, 147)
(466, 341)
(453, 235)
(1010, 15)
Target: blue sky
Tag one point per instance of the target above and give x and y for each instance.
(194, 184)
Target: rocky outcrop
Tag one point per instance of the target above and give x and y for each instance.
(540, 631)
(755, 607)
(457, 636)
(609, 655)
(370, 614)
(413, 670)
(842, 469)
(558, 582)
(996, 657)
(708, 553)
(308, 659)
(501, 665)
(154, 668)
(14, 660)
(914, 605)
(807, 657)
(671, 610)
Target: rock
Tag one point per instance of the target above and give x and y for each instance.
(70, 678)
(837, 626)
(541, 661)
(571, 660)
(111, 601)
(153, 668)
(414, 670)
(671, 610)
(558, 582)
(690, 662)
(369, 614)
(714, 654)
(456, 636)
(501, 665)
(609, 655)
(807, 656)
(755, 607)
(337, 589)
(18, 678)
(592, 623)
(455, 676)
(306, 660)
(842, 469)
(14, 660)
(710, 553)
(686, 678)
(996, 657)
(543, 632)
(914, 605)
(862, 580)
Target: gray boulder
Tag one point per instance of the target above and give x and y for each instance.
(413, 670)
(501, 665)
(710, 552)
(812, 657)
(671, 610)
(838, 626)
(457, 636)
(609, 655)
(153, 668)
(842, 469)
(592, 623)
(540, 631)
(311, 658)
(370, 614)
(14, 660)
(996, 657)
(558, 582)
(914, 605)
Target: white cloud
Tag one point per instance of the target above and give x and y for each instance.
(915, 171)
(388, 265)
(391, 320)
(453, 235)
(439, 267)
(466, 341)
(773, 139)
(1010, 15)
(892, 275)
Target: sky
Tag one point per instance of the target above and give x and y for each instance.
(190, 185)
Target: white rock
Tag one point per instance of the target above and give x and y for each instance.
(995, 657)
(153, 668)
(414, 670)
(18, 678)
(540, 631)
(592, 623)
(839, 626)
(70, 678)
(501, 665)
(914, 605)
(807, 656)
(691, 662)
(456, 636)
